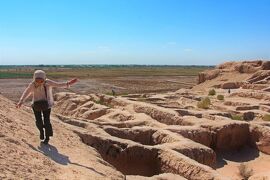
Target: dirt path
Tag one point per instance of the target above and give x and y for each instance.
(77, 160)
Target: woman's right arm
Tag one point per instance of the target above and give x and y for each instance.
(61, 84)
(25, 95)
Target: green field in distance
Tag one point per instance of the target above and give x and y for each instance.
(96, 71)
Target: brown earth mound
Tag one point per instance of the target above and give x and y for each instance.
(236, 74)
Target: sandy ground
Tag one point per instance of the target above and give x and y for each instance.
(23, 156)
(228, 163)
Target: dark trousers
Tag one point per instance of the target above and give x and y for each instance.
(45, 123)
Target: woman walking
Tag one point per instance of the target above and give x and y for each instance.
(42, 101)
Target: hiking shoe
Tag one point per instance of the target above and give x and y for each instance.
(46, 141)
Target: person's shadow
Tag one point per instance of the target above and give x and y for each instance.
(52, 152)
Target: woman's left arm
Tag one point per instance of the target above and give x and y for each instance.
(61, 84)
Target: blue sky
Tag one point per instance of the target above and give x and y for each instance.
(180, 32)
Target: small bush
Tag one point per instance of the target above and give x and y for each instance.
(266, 117)
(204, 103)
(141, 99)
(98, 102)
(212, 92)
(244, 171)
(220, 97)
(237, 117)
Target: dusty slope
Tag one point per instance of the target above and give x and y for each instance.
(22, 155)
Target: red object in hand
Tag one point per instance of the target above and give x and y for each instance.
(72, 81)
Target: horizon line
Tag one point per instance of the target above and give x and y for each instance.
(104, 65)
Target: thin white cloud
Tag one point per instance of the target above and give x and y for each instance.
(187, 49)
(104, 48)
(172, 43)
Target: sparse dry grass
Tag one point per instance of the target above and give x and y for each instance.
(212, 92)
(237, 117)
(220, 97)
(266, 117)
(204, 103)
